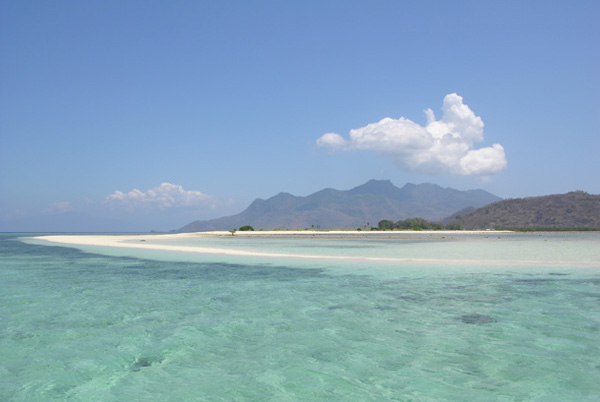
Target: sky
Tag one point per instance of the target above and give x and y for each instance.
(147, 115)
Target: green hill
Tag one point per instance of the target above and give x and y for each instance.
(572, 210)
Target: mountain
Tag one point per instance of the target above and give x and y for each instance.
(335, 209)
(572, 210)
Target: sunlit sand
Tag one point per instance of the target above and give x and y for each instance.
(142, 242)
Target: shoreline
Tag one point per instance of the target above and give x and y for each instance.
(328, 233)
(139, 242)
(144, 242)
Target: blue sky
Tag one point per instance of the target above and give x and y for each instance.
(140, 115)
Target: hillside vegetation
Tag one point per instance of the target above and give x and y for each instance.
(572, 210)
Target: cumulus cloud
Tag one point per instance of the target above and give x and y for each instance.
(331, 140)
(165, 196)
(444, 145)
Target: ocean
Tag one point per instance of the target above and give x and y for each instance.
(489, 317)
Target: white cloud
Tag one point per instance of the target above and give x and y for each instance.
(331, 140)
(165, 196)
(445, 145)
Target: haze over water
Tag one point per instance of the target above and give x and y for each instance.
(470, 318)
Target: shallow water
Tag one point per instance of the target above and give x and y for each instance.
(508, 324)
(504, 248)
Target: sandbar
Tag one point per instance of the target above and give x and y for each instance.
(140, 242)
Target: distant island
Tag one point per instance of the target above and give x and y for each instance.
(378, 204)
(361, 207)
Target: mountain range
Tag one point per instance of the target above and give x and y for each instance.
(359, 207)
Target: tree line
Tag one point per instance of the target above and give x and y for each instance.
(416, 224)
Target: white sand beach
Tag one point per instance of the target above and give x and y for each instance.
(143, 242)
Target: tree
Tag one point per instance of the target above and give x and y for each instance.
(246, 228)
(413, 223)
(385, 225)
(417, 224)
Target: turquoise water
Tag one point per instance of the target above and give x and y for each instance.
(503, 248)
(515, 318)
